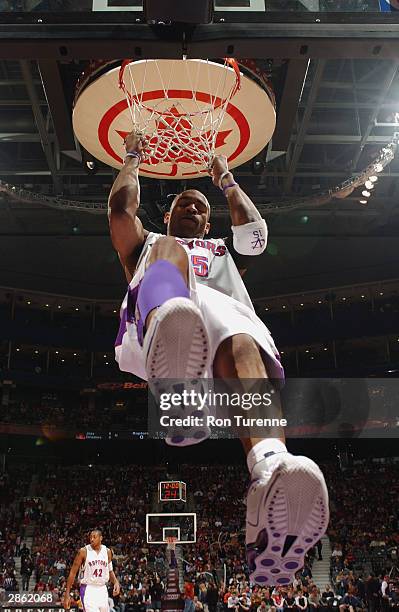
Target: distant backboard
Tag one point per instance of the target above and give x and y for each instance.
(179, 525)
(220, 5)
(234, 7)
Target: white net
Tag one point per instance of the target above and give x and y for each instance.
(179, 106)
(171, 543)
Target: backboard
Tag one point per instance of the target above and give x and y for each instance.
(179, 525)
(262, 6)
(181, 106)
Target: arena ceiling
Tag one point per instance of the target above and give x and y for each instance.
(337, 85)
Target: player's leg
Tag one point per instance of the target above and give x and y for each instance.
(89, 598)
(170, 325)
(103, 600)
(166, 249)
(287, 501)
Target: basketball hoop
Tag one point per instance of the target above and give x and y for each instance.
(171, 543)
(188, 111)
(179, 129)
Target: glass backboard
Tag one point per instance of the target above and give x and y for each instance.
(225, 6)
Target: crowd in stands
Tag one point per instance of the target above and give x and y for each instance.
(363, 532)
(15, 513)
(70, 410)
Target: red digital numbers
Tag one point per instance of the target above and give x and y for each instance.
(170, 490)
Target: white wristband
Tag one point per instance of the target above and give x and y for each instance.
(251, 238)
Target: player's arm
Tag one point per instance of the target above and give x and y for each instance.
(78, 561)
(249, 229)
(242, 209)
(112, 577)
(127, 232)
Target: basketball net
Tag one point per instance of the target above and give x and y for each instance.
(171, 543)
(185, 130)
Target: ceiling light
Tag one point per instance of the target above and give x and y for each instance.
(283, 306)
(373, 178)
(18, 350)
(307, 351)
(381, 293)
(74, 354)
(36, 352)
(325, 348)
(77, 309)
(378, 167)
(363, 201)
(58, 306)
(343, 299)
(28, 302)
(114, 311)
(62, 360)
(56, 352)
(369, 185)
(319, 302)
(46, 305)
(363, 296)
(366, 194)
(257, 166)
(301, 304)
(90, 165)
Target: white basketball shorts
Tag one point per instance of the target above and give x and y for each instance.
(223, 315)
(94, 598)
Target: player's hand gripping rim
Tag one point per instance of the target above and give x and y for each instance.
(136, 145)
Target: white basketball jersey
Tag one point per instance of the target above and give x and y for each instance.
(212, 263)
(95, 570)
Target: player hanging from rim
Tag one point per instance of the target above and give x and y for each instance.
(94, 562)
(187, 315)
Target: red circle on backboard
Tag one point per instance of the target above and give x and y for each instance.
(115, 110)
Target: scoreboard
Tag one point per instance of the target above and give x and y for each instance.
(172, 490)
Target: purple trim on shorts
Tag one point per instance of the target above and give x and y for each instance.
(128, 313)
(82, 594)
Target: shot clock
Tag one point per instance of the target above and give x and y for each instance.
(172, 490)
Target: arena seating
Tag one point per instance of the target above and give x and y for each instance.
(68, 503)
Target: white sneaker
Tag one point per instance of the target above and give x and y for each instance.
(176, 349)
(176, 343)
(287, 513)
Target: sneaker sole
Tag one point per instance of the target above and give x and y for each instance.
(178, 346)
(293, 517)
(178, 350)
